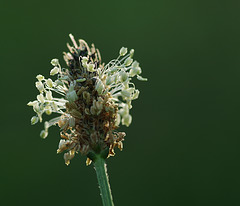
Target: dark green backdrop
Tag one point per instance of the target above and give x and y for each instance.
(183, 145)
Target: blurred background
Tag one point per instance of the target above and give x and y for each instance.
(183, 145)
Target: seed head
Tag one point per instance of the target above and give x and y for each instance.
(94, 100)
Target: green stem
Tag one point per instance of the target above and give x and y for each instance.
(102, 176)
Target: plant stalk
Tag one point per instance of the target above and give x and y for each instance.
(102, 177)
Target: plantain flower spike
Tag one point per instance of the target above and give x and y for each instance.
(91, 100)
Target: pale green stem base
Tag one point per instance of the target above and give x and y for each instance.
(102, 176)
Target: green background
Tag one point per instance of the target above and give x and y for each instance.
(183, 145)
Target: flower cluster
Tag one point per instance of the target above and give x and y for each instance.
(92, 101)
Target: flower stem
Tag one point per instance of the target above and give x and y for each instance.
(102, 176)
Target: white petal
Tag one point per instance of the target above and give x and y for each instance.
(128, 61)
(43, 134)
(40, 77)
(34, 120)
(39, 86)
(141, 78)
(40, 98)
(90, 67)
(99, 87)
(54, 62)
(123, 51)
(49, 82)
(49, 95)
(54, 71)
(126, 120)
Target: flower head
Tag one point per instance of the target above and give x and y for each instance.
(92, 100)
